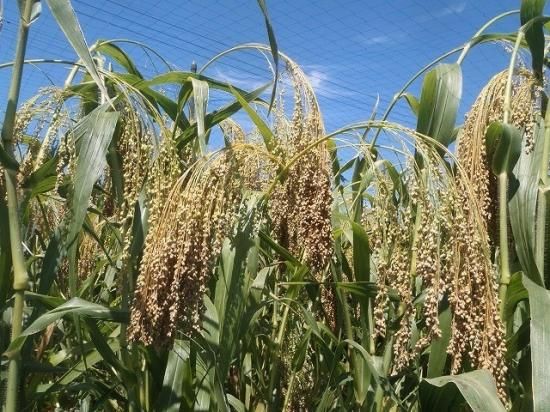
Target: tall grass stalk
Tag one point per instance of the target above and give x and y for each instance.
(20, 276)
(503, 185)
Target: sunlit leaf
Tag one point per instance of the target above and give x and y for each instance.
(445, 393)
(539, 303)
(439, 100)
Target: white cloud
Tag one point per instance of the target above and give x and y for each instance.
(373, 40)
(317, 78)
(453, 9)
(456, 8)
(240, 80)
(321, 81)
(377, 40)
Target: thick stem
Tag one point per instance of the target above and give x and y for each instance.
(503, 238)
(15, 363)
(503, 185)
(289, 390)
(20, 276)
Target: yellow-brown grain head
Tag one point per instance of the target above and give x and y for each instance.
(183, 242)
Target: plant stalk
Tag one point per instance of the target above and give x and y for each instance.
(276, 354)
(508, 91)
(503, 186)
(503, 239)
(468, 45)
(20, 276)
(289, 391)
(291, 294)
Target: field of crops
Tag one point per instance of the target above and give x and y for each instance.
(144, 268)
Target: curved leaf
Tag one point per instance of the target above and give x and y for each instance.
(477, 388)
(274, 48)
(438, 348)
(176, 379)
(91, 136)
(200, 102)
(119, 56)
(439, 100)
(68, 22)
(523, 205)
(413, 102)
(75, 306)
(531, 9)
(503, 142)
(263, 128)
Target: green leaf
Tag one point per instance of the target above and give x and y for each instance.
(78, 369)
(263, 128)
(6, 160)
(539, 303)
(68, 22)
(361, 253)
(280, 250)
(337, 170)
(439, 100)
(43, 179)
(217, 116)
(438, 348)
(48, 301)
(177, 378)
(274, 49)
(376, 373)
(503, 143)
(76, 307)
(523, 205)
(200, 102)
(91, 136)
(534, 35)
(358, 188)
(299, 356)
(211, 323)
(180, 77)
(50, 264)
(119, 56)
(204, 382)
(36, 9)
(107, 353)
(477, 388)
(360, 289)
(515, 293)
(413, 102)
(518, 341)
(236, 403)
(327, 401)
(238, 267)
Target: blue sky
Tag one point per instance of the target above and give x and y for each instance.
(353, 50)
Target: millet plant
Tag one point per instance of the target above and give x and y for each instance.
(145, 270)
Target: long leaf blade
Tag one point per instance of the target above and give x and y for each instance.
(539, 303)
(477, 388)
(92, 136)
(439, 100)
(68, 22)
